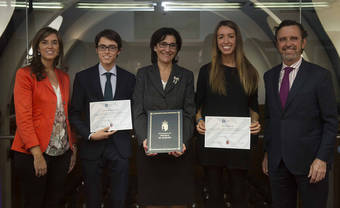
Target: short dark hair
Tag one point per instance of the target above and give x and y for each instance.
(285, 23)
(109, 34)
(160, 35)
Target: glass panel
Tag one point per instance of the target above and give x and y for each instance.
(195, 20)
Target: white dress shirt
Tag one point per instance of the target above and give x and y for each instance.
(292, 74)
(102, 77)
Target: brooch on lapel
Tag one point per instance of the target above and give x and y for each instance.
(175, 80)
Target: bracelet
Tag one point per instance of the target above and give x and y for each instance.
(200, 119)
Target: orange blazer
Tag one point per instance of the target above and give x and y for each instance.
(35, 105)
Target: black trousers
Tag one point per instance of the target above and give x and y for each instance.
(46, 191)
(285, 185)
(117, 169)
(238, 187)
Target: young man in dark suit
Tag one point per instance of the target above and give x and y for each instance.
(103, 82)
(301, 124)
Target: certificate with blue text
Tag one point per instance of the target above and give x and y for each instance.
(227, 132)
(114, 114)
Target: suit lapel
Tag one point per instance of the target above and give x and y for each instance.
(297, 84)
(119, 83)
(275, 84)
(61, 86)
(60, 82)
(156, 79)
(48, 84)
(174, 78)
(95, 82)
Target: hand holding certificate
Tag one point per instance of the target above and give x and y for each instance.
(115, 114)
(227, 132)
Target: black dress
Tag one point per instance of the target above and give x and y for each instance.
(236, 103)
(164, 179)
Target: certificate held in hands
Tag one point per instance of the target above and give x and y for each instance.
(227, 132)
(165, 131)
(116, 114)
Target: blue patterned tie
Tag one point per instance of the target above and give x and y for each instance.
(108, 95)
(284, 89)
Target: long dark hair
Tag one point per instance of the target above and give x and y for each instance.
(158, 36)
(247, 72)
(37, 67)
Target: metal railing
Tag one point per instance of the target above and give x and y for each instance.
(8, 137)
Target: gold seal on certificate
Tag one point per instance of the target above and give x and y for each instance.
(227, 132)
(165, 131)
(116, 114)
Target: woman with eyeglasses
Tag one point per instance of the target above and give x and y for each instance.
(164, 179)
(44, 150)
(226, 87)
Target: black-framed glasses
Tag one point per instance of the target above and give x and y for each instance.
(172, 46)
(112, 48)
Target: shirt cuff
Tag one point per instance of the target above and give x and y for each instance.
(200, 119)
(89, 138)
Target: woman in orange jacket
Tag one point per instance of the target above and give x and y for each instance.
(43, 147)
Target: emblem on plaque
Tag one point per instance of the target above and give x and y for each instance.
(165, 126)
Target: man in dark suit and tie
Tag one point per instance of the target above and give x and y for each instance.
(301, 124)
(103, 82)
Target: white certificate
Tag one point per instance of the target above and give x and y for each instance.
(116, 114)
(227, 132)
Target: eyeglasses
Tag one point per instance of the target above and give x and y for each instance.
(112, 48)
(172, 46)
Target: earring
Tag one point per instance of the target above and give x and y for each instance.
(39, 53)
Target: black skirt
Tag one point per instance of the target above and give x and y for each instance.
(164, 179)
(229, 158)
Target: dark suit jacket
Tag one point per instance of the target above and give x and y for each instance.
(306, 128)
(86, 89)
(149, 95)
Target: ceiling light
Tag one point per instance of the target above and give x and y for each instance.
(198, 6)
(290, 4)
(36, 5)
(135, 6)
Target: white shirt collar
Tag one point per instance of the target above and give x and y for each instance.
(296, 65)
(102, 70)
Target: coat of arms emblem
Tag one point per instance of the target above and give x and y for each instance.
(165, 126)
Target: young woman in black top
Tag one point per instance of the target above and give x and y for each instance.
(226, 87)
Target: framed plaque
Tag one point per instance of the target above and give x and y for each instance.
(165, 131)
